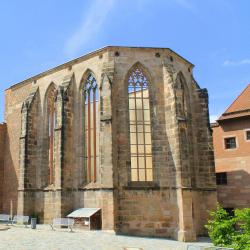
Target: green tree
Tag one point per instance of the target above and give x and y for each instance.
(230, 231)
(242, 239)
(221, 227)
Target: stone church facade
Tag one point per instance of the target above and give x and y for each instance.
(123, 129)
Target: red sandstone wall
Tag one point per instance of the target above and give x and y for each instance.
(236, 162)
(2, 146)
(13, 99)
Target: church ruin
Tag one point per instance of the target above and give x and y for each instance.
(124, 129)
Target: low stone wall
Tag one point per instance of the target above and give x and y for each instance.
(150, 213)
(203, 202)
(49, 204)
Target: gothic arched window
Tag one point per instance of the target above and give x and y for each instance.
(91, 127)
(180, 96)
(51, 119)
(140, 126)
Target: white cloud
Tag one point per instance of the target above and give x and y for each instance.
(236, 63)
(93, 21)
(213, 118)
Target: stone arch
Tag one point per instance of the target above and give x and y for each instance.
(52, 87)
(66, 103)
(143, 68)
(138, 83)
(29, 140)
(151, 87)
(49, 119)
(29, 152)
(184, 119)
(85, 75)
(90, 121)
(181, 96)
(105, 97)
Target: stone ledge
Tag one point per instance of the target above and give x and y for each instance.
(141, 186)
(156, 187)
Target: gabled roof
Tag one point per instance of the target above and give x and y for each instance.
(240, 107)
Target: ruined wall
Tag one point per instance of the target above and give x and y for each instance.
(14, 99)
(183, 165)
(182, 160)
(2, 150)
(136, 210)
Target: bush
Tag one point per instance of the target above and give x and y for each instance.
(230, 231)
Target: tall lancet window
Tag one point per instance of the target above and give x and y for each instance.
(51, 118)
(180, 97)
(91, 127)
(140, 127)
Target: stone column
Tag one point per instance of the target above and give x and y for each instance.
(106, 171)
(53, 196)
(22, 158)
(59, 200)
(23, 145)
(23, 186)
(58, 139)
(106, 144)
(184, 198)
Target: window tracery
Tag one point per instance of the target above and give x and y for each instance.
(140, 127)
(91, 126)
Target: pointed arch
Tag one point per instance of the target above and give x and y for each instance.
(105, 79)
(50, 119)
(181, 94)
(85, 75)
(183, 112)
(29, 140)
(50, 89)
(105, 97)
(65, 112)
(142, 68)
(89, 90)
(138, 83)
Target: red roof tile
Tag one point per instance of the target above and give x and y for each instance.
(240, 107)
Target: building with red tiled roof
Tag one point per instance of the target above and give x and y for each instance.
(231, 137)
(240, 107)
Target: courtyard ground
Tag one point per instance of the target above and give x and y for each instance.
(43, 238)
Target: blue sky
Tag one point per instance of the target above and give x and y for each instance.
(214, 35)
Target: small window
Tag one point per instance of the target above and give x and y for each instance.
(230, 142)
(248, 135)
(221, 178)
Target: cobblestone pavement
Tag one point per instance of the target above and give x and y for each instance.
(43, 238)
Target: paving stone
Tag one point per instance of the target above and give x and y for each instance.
(43, 238)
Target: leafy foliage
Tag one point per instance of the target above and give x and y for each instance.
(230, 231)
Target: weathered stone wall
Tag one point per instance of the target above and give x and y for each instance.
(183, 171)
(148, 212)
(68, 119)
(2, 152)
(14, 99)
(203, 202)
(206, 170)
(172, 166)
(103, 199)
(29, 158)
